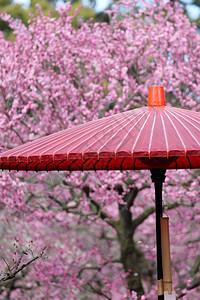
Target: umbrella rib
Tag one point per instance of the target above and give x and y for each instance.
(2, 166)
(183, 112)
(83, 164)
(73, 131)
(53, 137)
(176, 163)
(26, 168)
(111, 136)
(96, 164)
(132, 150)
(123, 120)
(125, 135)
(46, 167)
(69, 167)
(77, 137)
(185, 128)
(176, 131)
(45, 142)
(94, 129)
(9, 166)
(40, 141)
(18, 166)
(134, 163)
(122, 164)
(57, 167)
(151, 136)
(185, 118)
(108, 164)
(113, 121)
(189, 162)
(36, 170)
(165, 134)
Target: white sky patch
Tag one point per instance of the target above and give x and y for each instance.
(100, 4)
(193, 11)
(24, 3)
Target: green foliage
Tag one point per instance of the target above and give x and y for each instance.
(4, 3)
(44, 4)
(17, 11)
(85, 13)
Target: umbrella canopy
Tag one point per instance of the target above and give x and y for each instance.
(156, 136)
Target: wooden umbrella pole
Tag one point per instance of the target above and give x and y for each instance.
(158, 177)
(166, 261)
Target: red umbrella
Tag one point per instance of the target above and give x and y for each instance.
(156, 137)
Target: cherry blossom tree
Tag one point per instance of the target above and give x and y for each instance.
(92, 235)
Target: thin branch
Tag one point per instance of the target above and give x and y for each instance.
(139, 220)
(96, 291)
(64, 205)
(7, 264)
(56, 200)
(23, 287)
(19, 136)
(88, 268)
(195, 284)
(145, 186)
(19, 260)
(73, 206)
(196, 266)
(103, 215)
(12, 273)
(98, 268)
(150, 210)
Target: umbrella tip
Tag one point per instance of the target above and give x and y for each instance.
(156, 96)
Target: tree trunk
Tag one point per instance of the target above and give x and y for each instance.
(129, 253)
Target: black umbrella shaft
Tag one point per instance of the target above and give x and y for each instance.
(158, 177)
(159, 214)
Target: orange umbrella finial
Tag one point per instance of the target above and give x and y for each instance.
(156, 96)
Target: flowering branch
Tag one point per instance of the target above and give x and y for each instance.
(12, 272)
(98, 268)
(96, 290)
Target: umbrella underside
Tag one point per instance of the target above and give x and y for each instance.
(123, 163)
